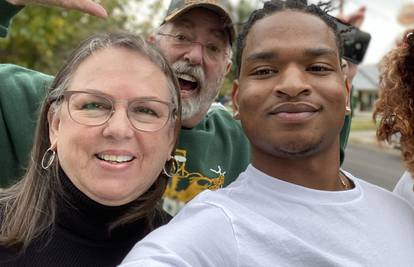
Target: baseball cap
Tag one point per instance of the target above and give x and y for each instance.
(179, 7)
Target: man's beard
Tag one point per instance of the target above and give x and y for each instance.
(206, 91)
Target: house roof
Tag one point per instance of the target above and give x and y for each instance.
(367, 78)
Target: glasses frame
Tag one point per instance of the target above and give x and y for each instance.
(192, 43)
(172, 110)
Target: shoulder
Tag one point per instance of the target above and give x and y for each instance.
(405, 188)
(387, 200)
(18, 82)
(200, 234)
(18, 74)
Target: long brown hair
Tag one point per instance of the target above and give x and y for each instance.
(395, 106)
(28, 207)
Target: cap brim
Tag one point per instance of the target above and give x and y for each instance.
(213, 7)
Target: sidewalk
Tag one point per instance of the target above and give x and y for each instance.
(369, 138)
(363, 137)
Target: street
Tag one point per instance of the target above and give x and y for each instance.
(377, 166)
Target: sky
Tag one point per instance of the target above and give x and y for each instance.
(380, 22)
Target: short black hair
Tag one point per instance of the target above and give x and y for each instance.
(319, 10)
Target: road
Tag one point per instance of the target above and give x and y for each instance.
(377, 166)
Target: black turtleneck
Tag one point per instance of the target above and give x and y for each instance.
(80, 235)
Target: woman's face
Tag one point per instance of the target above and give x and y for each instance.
(113, 163)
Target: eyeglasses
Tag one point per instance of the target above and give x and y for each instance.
(94, 109)
(213, 50)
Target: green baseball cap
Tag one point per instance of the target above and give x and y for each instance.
(220, 7)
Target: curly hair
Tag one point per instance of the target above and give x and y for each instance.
(395, 106)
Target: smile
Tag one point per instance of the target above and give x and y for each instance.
(294, 112)
(114, 158)
(187, 82)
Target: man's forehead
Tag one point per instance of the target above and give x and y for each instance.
(292, 29)
(210, 23)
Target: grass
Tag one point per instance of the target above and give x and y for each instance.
(363, 123)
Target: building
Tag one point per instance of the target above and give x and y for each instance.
(365, 87)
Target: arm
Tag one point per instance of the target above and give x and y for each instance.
(86, 6)
(21, 91)
(7, 11)
(200, 235)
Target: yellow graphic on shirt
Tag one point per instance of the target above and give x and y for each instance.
(184, 186)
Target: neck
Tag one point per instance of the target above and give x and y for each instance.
(196, 119)
(319, 171)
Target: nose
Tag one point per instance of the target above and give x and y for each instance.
(118, 126)
(292, 82)
(195, 54)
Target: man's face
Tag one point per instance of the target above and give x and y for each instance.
(291, 92)
(200, 74)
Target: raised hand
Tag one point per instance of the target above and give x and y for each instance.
(86, 6)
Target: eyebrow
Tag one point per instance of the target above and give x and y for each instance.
(311, 52)
(139, 98)
(320, 51)
(262, 56)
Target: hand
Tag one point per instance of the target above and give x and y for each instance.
(356, 18)
(86, 6)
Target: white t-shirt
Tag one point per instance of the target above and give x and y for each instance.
(262, 221)
(405, 188)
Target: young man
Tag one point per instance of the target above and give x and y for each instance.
(293, 206)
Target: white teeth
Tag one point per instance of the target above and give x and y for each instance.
(114, 158)
(186, 77)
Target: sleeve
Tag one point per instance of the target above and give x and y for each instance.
(405, 188)
(200, 235)
(7, 11)
(21, 93)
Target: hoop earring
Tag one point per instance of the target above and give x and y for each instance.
(172, 164)
(348, 110)
(48, 158)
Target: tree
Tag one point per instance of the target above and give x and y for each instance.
(41, 38)
(240, 13)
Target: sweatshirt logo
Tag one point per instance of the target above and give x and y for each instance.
(185, 185)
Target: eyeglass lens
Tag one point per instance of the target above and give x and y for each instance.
(93, 110)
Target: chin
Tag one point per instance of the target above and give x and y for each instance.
(113, 200)
(113, 195)
(295, 150)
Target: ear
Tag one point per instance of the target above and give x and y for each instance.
(151, 39)
(53, 118)
(228, 67)
(234, 97)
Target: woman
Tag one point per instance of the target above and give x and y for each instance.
(100, 158)
(395, 107)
